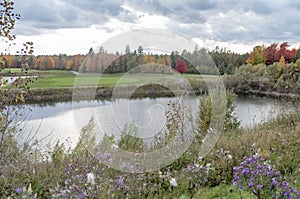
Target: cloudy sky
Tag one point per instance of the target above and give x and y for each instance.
(73, 26)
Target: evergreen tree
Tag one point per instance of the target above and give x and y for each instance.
(127, 50)
(140, 50)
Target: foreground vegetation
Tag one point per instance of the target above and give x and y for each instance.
(75, 173)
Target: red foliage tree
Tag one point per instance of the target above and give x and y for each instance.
(282, 50)
(286, 53)
(181, 66)
(270, 53)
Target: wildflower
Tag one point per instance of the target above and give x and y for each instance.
(284, 184)
(229, 156)
(19, 190)
(160, 174)
(250, 184)
(259, 186)
(114, 146)
(29, 190)
(121, 181)
(90, 178)
(256, 175)
(173, 182)
(245, 171)
(274, 182)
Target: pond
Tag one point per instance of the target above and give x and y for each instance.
(64, 120)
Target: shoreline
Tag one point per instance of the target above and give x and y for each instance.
(106, 92)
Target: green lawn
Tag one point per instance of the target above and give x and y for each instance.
(56, 78)
(64, 79)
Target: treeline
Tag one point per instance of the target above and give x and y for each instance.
(273, 53)
(201, 60)
(43, 62)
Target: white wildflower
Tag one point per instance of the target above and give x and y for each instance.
(229, 156)
(114, 146)
(160, 174)
(173, 182)
(29, 190)
(90, 178)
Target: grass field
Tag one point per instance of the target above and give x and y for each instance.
(58, 78)
(63, 78)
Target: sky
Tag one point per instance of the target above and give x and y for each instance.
(73, 26)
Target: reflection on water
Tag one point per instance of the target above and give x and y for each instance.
(64, 120)
(252, 110)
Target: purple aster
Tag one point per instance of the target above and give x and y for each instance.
(19, 190)
(250, 184)
(285, 184)
(259, 186)
(245, 171)
(274, 182)
(121, 181)
(258, 166)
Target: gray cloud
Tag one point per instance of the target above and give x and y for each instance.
(222, 20)
(52, 14)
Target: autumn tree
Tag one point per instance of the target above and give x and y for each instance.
(15, 94)
(181, 66)
(270, 53)
(61, 61)
(257, 56)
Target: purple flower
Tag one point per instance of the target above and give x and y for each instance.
(256, 175)
(235, 169)
(250, 184)
(19, 190)
(258, 166)
(121, 181)
(284, 184)
(274, 182)
(245, 171)
(259, 186)
(295, 191)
